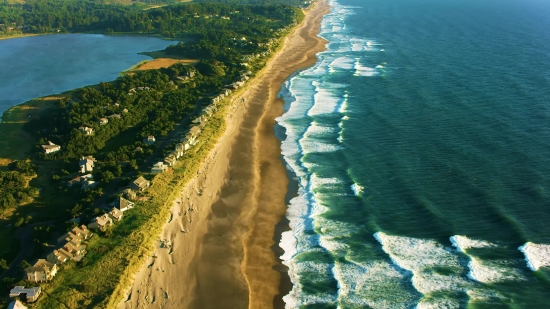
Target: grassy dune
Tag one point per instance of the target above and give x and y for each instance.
(112, 261)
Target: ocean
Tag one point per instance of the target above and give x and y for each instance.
(43, 65)
(421, 144)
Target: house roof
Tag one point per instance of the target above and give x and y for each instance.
(46, 147)
(40, 265)
(195, 130)
(102, 220)
(16, 304)
(116, 213)
(123, 203)
(141, 182)
(31, 292)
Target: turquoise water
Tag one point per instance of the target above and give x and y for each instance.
(421, 140)
(36, 66)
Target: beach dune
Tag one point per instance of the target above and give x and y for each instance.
(217, 250)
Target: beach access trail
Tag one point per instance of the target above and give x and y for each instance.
(216, 250)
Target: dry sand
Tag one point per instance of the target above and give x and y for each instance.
(216, 252)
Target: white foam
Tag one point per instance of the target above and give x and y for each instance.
(326, 98)
(421, 257)
(463, 243)
(341, 63)
(491, 271)
(357, 189)
(536, 255)
(375, 284)
(361, 70)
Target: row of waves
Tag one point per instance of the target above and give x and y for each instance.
(325, 265)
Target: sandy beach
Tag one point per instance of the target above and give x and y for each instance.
(217, 251)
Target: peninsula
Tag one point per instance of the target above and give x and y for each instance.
(188, 151)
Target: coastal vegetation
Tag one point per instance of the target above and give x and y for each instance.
(111, 123)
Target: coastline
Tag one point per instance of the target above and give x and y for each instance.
(224, 226)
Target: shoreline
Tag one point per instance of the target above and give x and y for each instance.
(224, 226)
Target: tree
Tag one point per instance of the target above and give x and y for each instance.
(76, 210)
(3, 264)
(25, 264)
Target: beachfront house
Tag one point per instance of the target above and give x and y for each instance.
(51, 147)
(86, 130)
(58, 257)
(140, 184)
(122, 204)
(86, 164)
(199, 119)
(170, 160)
(16, 304)
(88, 184)
(30, 295)
(159, 167)
(80, 179)
(41, 271)
(101, 223)
(149, 140)
(195, 131)
(179, 150)
(115, 214)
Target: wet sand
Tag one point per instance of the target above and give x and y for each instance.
(218, 249)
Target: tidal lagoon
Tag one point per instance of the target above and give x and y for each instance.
(42, 65)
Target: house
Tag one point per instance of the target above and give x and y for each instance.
(191, 74)
(51, 147)
(129, 194)
(115, 214)
(178, 152)
(80, 179)
(41, 271)
(195, 131)
(149, 140)
(159, 167)
(114, 116)
(86, 164)
(170, 160)
(29, 294)
(103, 121)
(125, 110)
(87, 130)
(208, 111)
(101, 223)
(16, 304)
(89, 184)
(81, 232)
(74, 250)
(140, 184)
(58, 257)
(123, 204)
(198, 120)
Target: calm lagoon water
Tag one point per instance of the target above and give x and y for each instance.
(36, 66)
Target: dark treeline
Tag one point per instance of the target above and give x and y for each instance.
(51, 16)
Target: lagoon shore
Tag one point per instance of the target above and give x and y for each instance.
(217, 249)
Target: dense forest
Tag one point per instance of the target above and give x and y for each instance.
(53, 16)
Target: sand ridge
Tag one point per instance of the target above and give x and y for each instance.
(215, 251)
